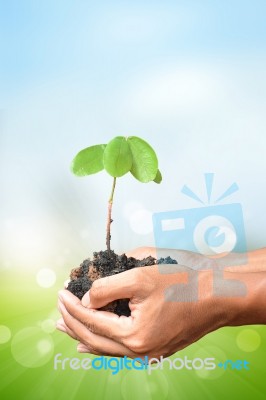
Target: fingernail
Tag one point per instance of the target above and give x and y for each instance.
(61, 295)
(61, 328)
(81, 348)
(61, 306)
(60, 321)
(86, 299)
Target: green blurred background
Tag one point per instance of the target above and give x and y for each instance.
(189, 77)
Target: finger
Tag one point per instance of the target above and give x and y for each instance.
(105, 290)
(66, 330)
(96, 344)
(61, 326)
(82, 348)
(103, 323)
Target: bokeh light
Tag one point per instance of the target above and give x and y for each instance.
(248, 340)
(5, 334)
(31, 347)
(46, 277)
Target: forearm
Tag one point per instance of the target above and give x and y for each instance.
(236, 262)
(250, 308)
(255, 262)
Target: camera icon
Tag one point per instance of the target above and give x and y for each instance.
(212, 230)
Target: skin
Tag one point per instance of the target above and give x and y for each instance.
(171, 306)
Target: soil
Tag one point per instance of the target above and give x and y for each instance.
(106, 263)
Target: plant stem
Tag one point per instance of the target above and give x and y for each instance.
(109, 216)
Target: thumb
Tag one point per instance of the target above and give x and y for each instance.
(105, 290)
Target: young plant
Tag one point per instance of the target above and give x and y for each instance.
(120, 156)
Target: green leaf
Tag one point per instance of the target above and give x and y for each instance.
(158, 178)
(88, 161)
(145, 163)
(117, 158)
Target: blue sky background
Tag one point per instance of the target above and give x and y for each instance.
(188, 76)
(106, 41)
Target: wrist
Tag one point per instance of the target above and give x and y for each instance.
(248, 307)
(228, 306)
(218, 308)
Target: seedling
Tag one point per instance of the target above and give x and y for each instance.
(119, 157)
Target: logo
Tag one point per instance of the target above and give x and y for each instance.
(214, 230)
(145, 364)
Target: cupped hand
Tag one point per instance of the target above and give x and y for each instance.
(171, 306)
(167, 313)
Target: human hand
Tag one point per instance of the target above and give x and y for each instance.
(159, 323)
(171, 307)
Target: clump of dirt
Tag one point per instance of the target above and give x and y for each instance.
(107, 263)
